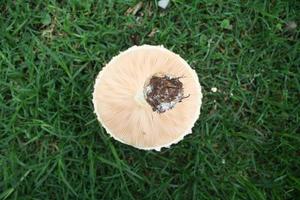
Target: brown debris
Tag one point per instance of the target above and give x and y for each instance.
(152, 33)
(135, 39)
(149, 8)
(163, 92)
(134, 10)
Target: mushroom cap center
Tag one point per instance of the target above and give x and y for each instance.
(162, 92)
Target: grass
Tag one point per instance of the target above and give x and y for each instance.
(245, 145)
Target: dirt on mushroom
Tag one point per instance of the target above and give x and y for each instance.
(164, 92)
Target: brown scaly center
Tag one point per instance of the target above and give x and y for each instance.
(163, 92)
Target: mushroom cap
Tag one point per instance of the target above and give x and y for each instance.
(120, 104)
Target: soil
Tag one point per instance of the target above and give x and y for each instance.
(163, 92)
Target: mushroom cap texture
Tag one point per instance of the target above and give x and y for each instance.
(120, 106)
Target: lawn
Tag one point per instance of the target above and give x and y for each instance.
(245, 145)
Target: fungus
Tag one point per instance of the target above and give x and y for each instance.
(147, 97)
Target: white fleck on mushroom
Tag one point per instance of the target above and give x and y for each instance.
(147, 97)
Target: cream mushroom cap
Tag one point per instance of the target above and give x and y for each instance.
(121, 106)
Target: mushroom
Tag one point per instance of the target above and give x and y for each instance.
(147, 97)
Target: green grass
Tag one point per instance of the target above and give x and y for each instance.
(244, 146)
